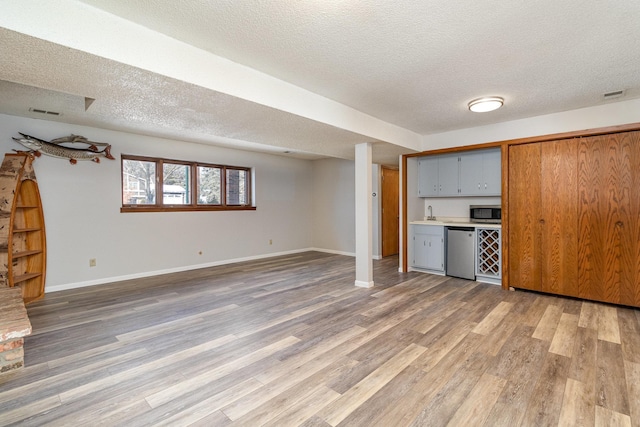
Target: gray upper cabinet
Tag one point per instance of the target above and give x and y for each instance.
(448, 175)
(469, 173)
(428, 177)
(438, 176)
(480, 173)
(492, 170)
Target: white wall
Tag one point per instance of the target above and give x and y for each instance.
(376, 189)
(83, 220)
(334, 206)
(612, 114)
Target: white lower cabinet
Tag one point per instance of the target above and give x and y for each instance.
(428, 247)
(427, 251)
(488, 255)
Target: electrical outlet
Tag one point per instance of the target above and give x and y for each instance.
(92, 262)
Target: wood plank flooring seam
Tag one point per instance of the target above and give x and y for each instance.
(170, 359)
(170, 393)
(578, 405)
(24, 413)
(62, 383)
(632, 374)
(345, 404)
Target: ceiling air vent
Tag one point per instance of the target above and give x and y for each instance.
(40, 111)
(614, 94)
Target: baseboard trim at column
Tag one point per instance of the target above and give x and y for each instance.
(362, 284)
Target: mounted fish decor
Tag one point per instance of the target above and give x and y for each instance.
(55, 148)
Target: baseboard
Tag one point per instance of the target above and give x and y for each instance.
(352, 254)
(361, 284)
(102, 281)
(331, 251)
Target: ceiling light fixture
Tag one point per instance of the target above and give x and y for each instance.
(482, 105)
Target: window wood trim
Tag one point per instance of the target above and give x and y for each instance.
(159, 206)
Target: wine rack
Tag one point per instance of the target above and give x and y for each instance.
(489, 253)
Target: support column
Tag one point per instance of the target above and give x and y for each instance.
(364, 219)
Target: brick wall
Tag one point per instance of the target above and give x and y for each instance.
(11, 354)
(14, 325)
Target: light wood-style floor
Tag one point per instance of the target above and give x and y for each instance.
(290, 341)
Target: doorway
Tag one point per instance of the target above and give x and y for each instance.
(390, 211)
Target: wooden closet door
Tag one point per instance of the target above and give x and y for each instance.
(634, 229)
(592, 173)
(559, 214)
(524, 216)
(608, 219)
(629, 217)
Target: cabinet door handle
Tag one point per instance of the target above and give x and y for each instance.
(429, 244)
(485, 185)
(478, 186)
(542, 221)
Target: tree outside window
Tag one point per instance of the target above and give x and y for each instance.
(138, 182)
(216, 187)
(176, 184)
(209, 186)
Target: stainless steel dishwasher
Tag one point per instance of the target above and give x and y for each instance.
(461, 252)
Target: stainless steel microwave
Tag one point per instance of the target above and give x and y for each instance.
(491, 214)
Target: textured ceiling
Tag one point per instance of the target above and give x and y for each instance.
(417, 63)
(138, 101)
(412, 63)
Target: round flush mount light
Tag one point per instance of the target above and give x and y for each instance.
(482, 105)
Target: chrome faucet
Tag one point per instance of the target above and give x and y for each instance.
(430, 217)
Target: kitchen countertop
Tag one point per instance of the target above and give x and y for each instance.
(448, 223)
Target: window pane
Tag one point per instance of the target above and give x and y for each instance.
(236, 187)
(208, 186)
(138, 182)
(176, 184)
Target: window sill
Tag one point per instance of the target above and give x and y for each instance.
(128, 209)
